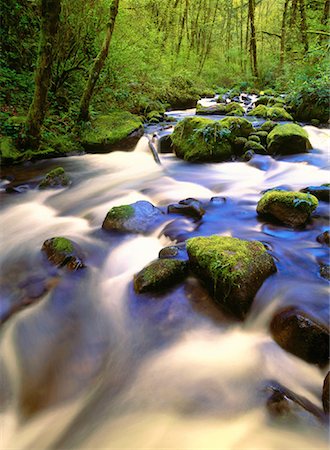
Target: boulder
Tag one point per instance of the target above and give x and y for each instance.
(302, 335)
(278, 113)
(324, 238)
(234, 108)
(268, 126)
(239, 127)
(232, 269)
(262, 136)
(197, 139)
(56, 178)
(254, 137)
(288, 139)
(291, 208)
(177, 251)
(188, 207)
(259, 111)
(165, 144)
(138, 217)
(263, 100)
(62, 252)
(320, 192)
(325, 393)
(160, 274)
(218, 109)
(256, 147)
(325, 271)
(118, 130)
(238, 145)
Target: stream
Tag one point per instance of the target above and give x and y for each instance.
(89, 364)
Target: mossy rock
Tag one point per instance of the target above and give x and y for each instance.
(119, 130)
(324, 238)
(291, 208)
(239, 127)
(320, 192)
(268, 126)
(239, 144)
(198, 139)
(254, 137)
(234, 107)
(232, 269)
(262, 136)
(259, 111)
(138, 217)
(278, 113)
(273, 101)
(288, 139)
(62, 252)
(218, 109)
(56, 178)
(155, 117)
(300, 334)
(177, 251)
(256, 147)
(207, 93)
(160, 274)
(263, 100)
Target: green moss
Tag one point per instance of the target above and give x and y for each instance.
(254, 137)
(273, 101)
(299, 200)
(255, 146)
(224, 258)
(239, 127)
(62, 244)
(234, 106)
(278, 114)
(288, 138)
(122, 212)
(198, 139)
(236, 112)
(162, 273)
(268, 126)
(110, 128)
(8, 151)
(263, 100)
(55, 178)
(259, 111)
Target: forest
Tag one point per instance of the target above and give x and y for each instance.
(64, 62)
(164, 224)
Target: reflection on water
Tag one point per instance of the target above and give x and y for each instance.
(92, 365)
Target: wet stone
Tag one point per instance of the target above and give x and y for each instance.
(188, 207)
(63, 252)
(56, 178)
(324, 238)
(138, 217)
(300, 334)
(325, 271)
(320, 192)
(177, 251)
(160, 274)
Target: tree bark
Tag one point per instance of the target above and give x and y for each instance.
(98, 64)
(283, 35)
(50, 15)
(253, 43)
(304, 38)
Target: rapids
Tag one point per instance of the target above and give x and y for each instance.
(91, 365)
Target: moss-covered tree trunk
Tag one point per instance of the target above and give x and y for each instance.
(50, 16)
(253, 42)
(98, 64)
(283, 35)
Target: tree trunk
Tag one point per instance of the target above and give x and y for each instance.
(304, 39)
(324, 19)
(50, 14)
(253, 44)
(98, 64)
(283, 35)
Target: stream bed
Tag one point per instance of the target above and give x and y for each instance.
(89, 364)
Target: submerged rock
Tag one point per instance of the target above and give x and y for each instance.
(160, 274)
(177, 251)
(320, 192)
(188, 207)
(288, 139)
(137, 217)
(232, 269)
(324, 238)
(282, 402)
(300, 334)
(326, 394)
(54, 179)
(291, 208)
(61, 252)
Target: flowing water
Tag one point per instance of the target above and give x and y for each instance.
(91, 365)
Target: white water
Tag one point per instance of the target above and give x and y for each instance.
(93, 366)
